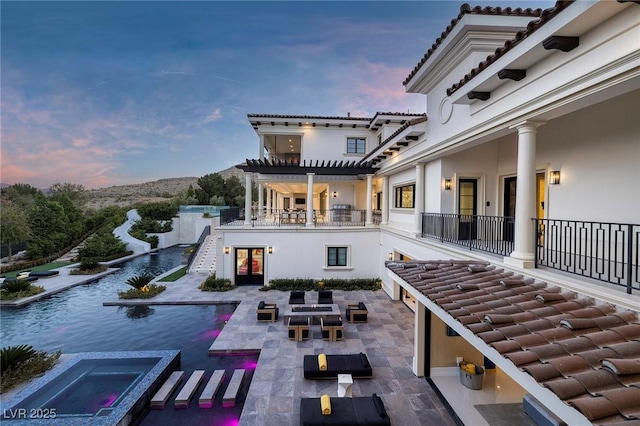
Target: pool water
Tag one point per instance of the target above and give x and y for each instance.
(76, 321)
(90, 385)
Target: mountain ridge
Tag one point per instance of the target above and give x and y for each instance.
(153, 191)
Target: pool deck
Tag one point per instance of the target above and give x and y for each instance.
(278, 383)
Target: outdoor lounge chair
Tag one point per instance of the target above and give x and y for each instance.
(298, 328)
(355, 364)
(357, 312)
(325, 297)
(365, 410)
(267, 312)
(296, 298)
(331, 329)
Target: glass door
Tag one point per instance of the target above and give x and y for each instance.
(249, 266)
(467, 208)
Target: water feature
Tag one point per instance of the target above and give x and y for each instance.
(76, 321)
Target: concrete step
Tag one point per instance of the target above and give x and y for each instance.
(189, 389)
(160, 398)
(209, 393)
(233, 389)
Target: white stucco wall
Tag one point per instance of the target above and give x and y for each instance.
(323, 143)
(302, 254)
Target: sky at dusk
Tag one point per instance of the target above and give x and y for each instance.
(112, 93)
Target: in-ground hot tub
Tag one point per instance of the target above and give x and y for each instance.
(100, 388)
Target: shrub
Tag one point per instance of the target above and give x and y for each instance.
(102, 245)
(11, 356)
(309, 284)
(216, 284)
(37, 363)
(31, 290)
(152, 290)
(140, 282)
(15, 286)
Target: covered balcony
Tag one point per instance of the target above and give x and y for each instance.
(607, 252)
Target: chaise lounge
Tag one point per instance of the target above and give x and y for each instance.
(367, 410)
(355, 364)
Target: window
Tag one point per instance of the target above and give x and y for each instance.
(405, 197)
(356, 145)
(337, 256)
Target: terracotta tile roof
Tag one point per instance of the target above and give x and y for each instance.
(545, 17)
(307, 117)
(421, 119)
(466, 9)
(586, 353)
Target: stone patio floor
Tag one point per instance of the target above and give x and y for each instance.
(278, 383)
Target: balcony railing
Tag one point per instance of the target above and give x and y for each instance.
(298, 218)
(492, 234)
(603, 251)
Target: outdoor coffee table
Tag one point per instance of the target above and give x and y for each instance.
(315, 312)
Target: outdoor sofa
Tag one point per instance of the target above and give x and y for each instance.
(366, 410)
(355, 364)
(296, 298)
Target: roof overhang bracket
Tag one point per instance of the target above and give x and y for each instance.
(515, 75)
(482, 96)
(565, 44)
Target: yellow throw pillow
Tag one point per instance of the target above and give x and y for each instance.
(322, 362)
(325, 404)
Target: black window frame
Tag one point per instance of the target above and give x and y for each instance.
(399, 196)
(335, 257)
(353, 145)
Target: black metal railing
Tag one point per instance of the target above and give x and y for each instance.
(196, 247)
(229, 215)
(491, 234)
(603, 251)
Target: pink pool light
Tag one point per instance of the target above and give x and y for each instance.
(62, 329)
(108, 400)
(225, 317)
(249, 365)
(210, 334)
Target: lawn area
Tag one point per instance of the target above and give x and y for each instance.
(175, 275)
(45, 267)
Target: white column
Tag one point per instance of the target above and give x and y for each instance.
(369, 218)
(418, 206)
(260, 200)
(384, 220)
(419, 337)
(523, 256)
(309, 199)
(261, 148)
(269, 195)
(247, 199)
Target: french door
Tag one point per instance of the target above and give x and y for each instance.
(249, 266)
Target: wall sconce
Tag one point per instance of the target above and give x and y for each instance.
(447, 184)
(554, 177)
(390, 256)
(334, 194)
(227, 249)
(270, 250)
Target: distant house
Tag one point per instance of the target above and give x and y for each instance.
(528, 158)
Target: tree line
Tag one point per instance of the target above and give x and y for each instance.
(47, 223)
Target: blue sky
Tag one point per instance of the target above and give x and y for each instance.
(111, 93)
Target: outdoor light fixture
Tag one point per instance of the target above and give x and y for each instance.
(270, 250)
(227, 249)
(447, 184)
(554, 177)
(390, 256)
(334, 194)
